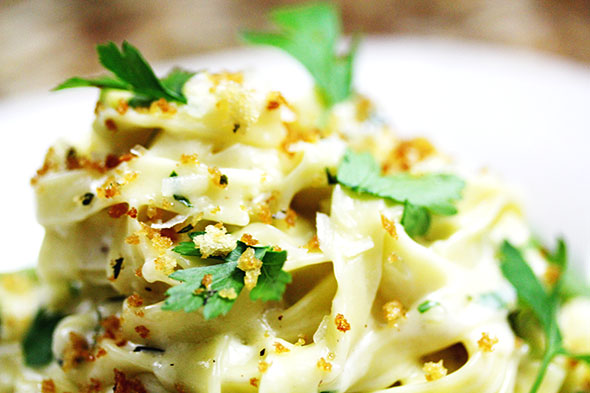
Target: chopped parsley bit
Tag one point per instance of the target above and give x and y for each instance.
(421, 195)
(182, 199)
(117, 267)
(310, 33)
(173, 174)
(131, 72)
(331, 178)
(543, 304)
(191, 294)
(223, 181)
(186, 229)
(87, 198)
(427, 305)
(37, 342)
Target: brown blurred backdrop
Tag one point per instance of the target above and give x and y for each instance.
(43, 42)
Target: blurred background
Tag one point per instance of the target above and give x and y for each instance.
(42, 42)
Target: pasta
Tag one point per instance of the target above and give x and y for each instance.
(368, 307)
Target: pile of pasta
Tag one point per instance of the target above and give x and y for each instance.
(253, 166)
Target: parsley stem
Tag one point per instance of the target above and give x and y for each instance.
(542, 370)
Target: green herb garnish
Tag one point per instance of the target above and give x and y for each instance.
(132, 72)
(310, 34)
(37, 342)
(182, 199)
(543, 304)
(427, 305)
(192, 294)
(421, 195)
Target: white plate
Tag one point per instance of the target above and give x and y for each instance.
(521, 114)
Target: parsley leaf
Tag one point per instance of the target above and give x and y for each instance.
(133, 73)
(310, 34)
(421, 195)
(427, 305)
(191, 295)
(37, 342)
(543, 304)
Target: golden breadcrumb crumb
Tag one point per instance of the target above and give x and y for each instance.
(264, 213)
(112, 330)
(127, 385)
(251, 265)
(393, 311)
(143, 331)
(393, 258)
(297, 133)
(280, 348)
(552, 274)
(135, 300)
(434, 371)
(207, 281)
(228, 293)
(93, 386)
(76, 352)
(324, 365)
(364, 108)
(100, 352)
(180, 388)
(165, 264)
(262, 366)
(254, 382)
(331, 356)
(132, 239)
(118, 210)
(219, 77)
(110, 125)
(162, 106)
(48, 386)
(189, 159)
(215, 241)
(219, 179)
(109, 189)
(248, 239)
(290, 217)
(408, 153)
(122, 106)
(389, 226)
(313, 244)
(486, 343)
(341, 323)
(132, 212)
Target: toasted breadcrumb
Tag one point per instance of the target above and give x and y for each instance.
(165, 264)
(341, 323)
(290, 217)
(132, 212)
(93, 386)
(48, 386)
(109, 189)
(143, 331)
(219, 179)
(434, 371)
(264, 213)
(135, 300)
(389, 226)
(280, 348)
(132, 239)
(228, 293)
(254, 382)
(313, 244)
(486, 343)
(251, 265)
(262, 366)
(207, 281)
(274, 100)
(324, 365)
(122, 106)
(552, 274)
(248, 239)
(408, 153)
(180, 388)
(127, 385)
(162, 106)
(393, 258)
(215, 242)
(393, 311)
(76, 352)
(112, 330)
(297, 133)
(118, 210)
(331, 356)
(100, 352)
(110, 125)
(159, 242)
(189, 159)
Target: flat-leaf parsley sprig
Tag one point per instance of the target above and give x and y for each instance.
(132, 72)
(215, 288)
(310, 34)
(544, 304)
(421, 195)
